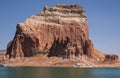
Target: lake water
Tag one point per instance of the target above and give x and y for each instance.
(58, 72)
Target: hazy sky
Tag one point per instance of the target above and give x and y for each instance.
(103, 19)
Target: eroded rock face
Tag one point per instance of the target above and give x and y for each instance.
(62, 29)
(111, 57)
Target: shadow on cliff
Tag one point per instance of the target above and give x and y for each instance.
(58, 47)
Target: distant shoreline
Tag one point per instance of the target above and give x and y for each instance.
(62, 66)
(2, 52)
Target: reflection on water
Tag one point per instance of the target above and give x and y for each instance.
(58, 72)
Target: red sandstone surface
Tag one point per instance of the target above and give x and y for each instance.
(56, 36)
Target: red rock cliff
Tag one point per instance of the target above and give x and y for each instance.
(61, 29)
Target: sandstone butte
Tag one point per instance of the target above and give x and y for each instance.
(60, 31)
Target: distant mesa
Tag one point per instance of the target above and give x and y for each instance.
(2, 52)
(61, 30)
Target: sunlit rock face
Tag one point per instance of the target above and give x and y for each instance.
(61, 29)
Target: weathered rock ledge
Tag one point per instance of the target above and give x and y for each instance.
(44, 61)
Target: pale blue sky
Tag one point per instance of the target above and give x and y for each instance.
(103, 19)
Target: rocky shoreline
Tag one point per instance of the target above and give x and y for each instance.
(44, 61)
